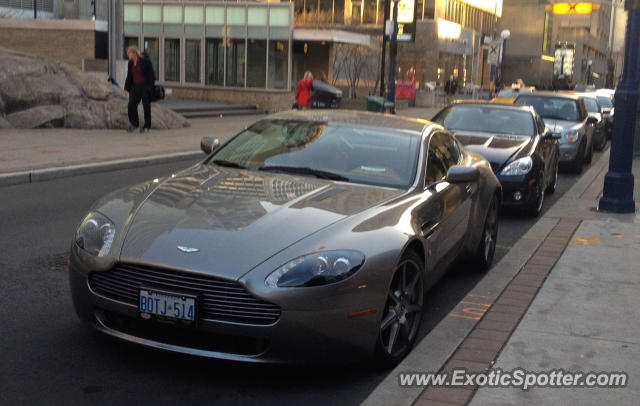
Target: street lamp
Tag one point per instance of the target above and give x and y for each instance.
(505, 34)
(618, 183)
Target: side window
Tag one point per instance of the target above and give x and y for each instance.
(442, 154)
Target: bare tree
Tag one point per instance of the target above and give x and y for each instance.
(356, 63)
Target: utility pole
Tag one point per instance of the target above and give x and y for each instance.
(493, 38)
(393, 54)
(115, 35)
(35, 9)
(618, 182)
(384, 45)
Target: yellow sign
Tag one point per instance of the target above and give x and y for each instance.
(574, 8)
(406, 10)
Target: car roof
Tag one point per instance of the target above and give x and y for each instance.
(356, 118)
(498, 104)
(574, 96)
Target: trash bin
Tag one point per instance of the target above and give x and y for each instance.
(378, 104)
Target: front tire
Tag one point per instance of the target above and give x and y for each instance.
(536, 207)
(576, 165)
(402, 313)
(589, 157)
(554, 182)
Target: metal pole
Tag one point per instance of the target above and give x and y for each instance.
(111, 27)
(492, 83)
(618, 182)
(35, 9)
(385, 4)
(393, 51)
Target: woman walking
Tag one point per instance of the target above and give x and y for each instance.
(303, 94)
(139, 83)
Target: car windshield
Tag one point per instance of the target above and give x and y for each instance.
(605, 102)
(353, 153)
(557, 108)
(486, 118)
(591, 105)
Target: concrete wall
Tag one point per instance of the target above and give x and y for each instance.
(66, 41)
(270, 101)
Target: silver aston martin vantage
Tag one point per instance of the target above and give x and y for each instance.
(309, 236)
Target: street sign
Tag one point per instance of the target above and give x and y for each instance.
(493, 54)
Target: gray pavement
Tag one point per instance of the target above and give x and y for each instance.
(585, 317)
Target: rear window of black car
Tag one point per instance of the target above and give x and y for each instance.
(369, 155)
(487, 118)
(557, 108)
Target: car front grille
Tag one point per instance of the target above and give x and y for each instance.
(219, 299)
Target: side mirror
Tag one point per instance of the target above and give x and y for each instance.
(209, 144)
(462, 174)
(551, 135)
(592, 120)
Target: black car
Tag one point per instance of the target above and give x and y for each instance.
(523, 152)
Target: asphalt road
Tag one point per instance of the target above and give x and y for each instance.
(48, 356)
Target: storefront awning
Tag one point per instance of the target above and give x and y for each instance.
(338, 36)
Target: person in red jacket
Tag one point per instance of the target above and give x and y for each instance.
(303, 94)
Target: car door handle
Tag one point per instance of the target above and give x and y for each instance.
(429, 228)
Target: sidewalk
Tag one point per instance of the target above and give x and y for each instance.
(565, 296)
(27, 150)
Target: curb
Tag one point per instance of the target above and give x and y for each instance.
(440, 347)
(41, 175)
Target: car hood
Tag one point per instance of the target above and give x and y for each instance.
(231, 220)
(560, 126)
(496, 148)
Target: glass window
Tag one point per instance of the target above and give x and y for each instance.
(172, 14)
(131, 13)
(214, 62)
(279, 17)
(235, 63)
(172, 60)
(605, 101)
(558, 108)
(257, 16)
(236, 15)
(192, 61)
(278, 64)
(256, 63)
(152, 48)
(128, 41)
(489, 119)
(360, 153)
(591, 105)
(439, 158)
(215, 15)
(151, 13)
(193, 14)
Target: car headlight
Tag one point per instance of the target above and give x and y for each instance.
(520, 166)
(571, 136)
(96, 234)
(316, 269)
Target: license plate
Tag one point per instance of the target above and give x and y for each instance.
(166, 305)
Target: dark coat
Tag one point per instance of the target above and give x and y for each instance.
(451, 86)
(147, 72)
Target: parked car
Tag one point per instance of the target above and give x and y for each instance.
(566, 116)
(595, 110)
(325, 96)
(606, 101)
(523, 152)
(309, 236)
(509, 95)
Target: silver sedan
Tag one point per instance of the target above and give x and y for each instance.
(308, 236)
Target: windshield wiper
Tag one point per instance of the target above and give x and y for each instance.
(228, 164)
(303, 170)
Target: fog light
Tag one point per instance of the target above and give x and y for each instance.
(517, 196)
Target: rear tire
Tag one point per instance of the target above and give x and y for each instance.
(402, 313)
(487, 247)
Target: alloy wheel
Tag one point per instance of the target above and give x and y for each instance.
(403, 311)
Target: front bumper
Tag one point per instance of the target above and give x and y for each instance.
(518, 191)
(320, 335)
(569, 152)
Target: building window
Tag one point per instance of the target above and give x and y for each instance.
(152, 48)
(192, 60)
(128, 41)
(256, 63)
(214, 62)
(235, 62)
(278, 64)
(172, 60)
